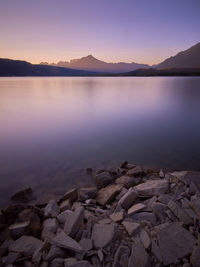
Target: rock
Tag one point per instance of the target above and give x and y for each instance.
(107, 194)
(49, 228)
(63, 216)
(4, 246)
(156, 250)
(26, 245)
(179, 212)
(121, 194)
(23, 196)
(86, 244)
(117, 216)
(100, 255)
(103, 234)
(80, 264)
(52, 209)
(127, 181)
(161, 174)
(136, 208)
(74, 222)
(55, 252)
(19, 229)
(139, 256)
(65, 205)
(87, 193)
(57, 263)
(12, 257)
(175, 242)
(144, 216)
(128, 199)
(145, 239)
(164, 199)
(131, 227)
(159, 210)
(64, 241)
(71, 194)
(102, 179)
(195, 256)
(44, 199)
(69, 261)
(152, 187)
(121, 256)
(136, 171)
(196, 206)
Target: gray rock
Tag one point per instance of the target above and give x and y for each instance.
(80, 264)
(74, 222)
(52, 209)
(195, 256)
(179, 212)
(86, 244)
(57, 263)
(128, 199)
(55, 252)
(62, 217)
(24, 195)
(159, 210)
(65, 205)
(71, 194)
(49, 228)
(136, 171)
(34, 221)
(12, 257)
(102, 179)
(175, 242)
(131, 227)
(64, 241)
(103, 234)
(136, 208)
(127, 181)
(161, 174)
(196, 206)
(19, 229)
(164, 198)
(107, 194)
(4, 246)
(145, 239)
(152, 187)
(144, 216)
(117, 216)
(156, 250)
(139, 256)
(26, 245)
(69, 261)
(122, 193)
(87, 193)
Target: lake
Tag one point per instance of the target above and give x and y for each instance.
(52, 128)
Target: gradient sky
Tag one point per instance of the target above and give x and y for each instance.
(143, 31)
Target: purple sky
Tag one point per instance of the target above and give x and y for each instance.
(143, 31)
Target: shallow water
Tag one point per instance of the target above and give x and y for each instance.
(52, 128)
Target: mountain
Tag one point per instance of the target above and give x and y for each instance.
(189, 58)
(9, 67)
(163, 72)
(90, 63)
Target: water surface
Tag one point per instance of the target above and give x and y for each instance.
(52, 128)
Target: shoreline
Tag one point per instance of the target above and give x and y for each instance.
(132, 216)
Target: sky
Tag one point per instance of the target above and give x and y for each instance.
(142, 31)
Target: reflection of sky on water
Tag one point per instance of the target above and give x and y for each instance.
(54, 122)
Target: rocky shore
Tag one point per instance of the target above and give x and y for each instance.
(131, 217)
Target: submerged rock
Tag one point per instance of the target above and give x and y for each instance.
(24, 195)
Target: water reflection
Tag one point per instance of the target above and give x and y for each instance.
(51, 128)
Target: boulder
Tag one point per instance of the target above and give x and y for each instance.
(52, 209)
(175, 243)
(64, 241)
(58, 262)
(127, 181)
(71, 194)
(62, 217)
(144, 216)
(65, 205)
(80, 264)
(69, 261)
(195, 256)
(117, 216)
(131, 227)
(49, 228)
(128, 199)
(107, 194)
(19, 229)
(74, 222)
(87, 193)
(103, 179)
(55, 252)
(136, 171)
(103, 234)
(86, 244)
(179, 213)
(196, 206)
(136, 208)
(145, 239)
(23, 196)
(26, 245)
(152, 187)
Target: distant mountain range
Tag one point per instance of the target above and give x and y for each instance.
(90, 63)
(184, 63)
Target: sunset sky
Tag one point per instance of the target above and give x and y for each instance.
(143, 31)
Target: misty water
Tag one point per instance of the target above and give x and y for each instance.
(51, 129)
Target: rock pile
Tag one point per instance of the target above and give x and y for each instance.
(132, 217)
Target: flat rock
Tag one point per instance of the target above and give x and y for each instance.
(71, 194)
(55, 252)
(63, 216)
(175, 243)
(131, 227)
(179, 213)
(65, 205)
(145, 239)
(152, 187)
(52, 209)
(103, 234)
(139, 256)
(117, 216)
(136, 171)
(107, 194)
(127, 181)
(86, 244)
(49, 228)
(136, 208)
(25, 245)
(64, 241)
(128, 199)
(196, 206)
(80, 264)
(102, 179)
(19, 229)
(87, 193)
(195, 256)
(144, 216)
(74, 222)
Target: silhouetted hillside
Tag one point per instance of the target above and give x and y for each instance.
(10, 67)
(189, 58)
(90, 63)
(165, 72)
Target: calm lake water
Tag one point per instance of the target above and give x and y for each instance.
(53, 128)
